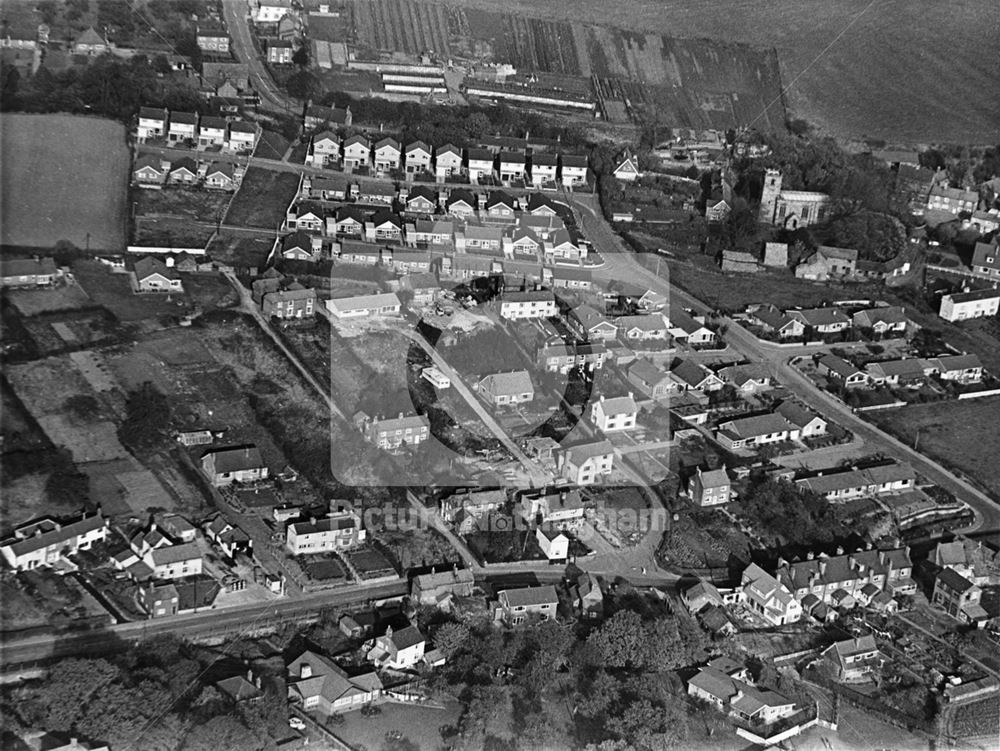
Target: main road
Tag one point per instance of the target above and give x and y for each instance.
(238, 23)
(622, 265)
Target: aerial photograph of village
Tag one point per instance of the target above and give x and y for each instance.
(467, 375)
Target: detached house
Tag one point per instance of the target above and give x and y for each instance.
(418, 157)
(854, 660)
(503, 389)
(733, 696)
(384, 227)
(642, 328)
(500, 205)
(573, 170)
(221, 176)
(750, 432)
(152, 124)
(150, 171)
(349, 221)
(960, 368)
(357, 152)
(334, 532)
(480, 165)
(839, 369)
(421, 200)
(808, 424)
(958, 597)
(986, 259)
(296, 302)
(183, 128)
(515, 606)
(474, 238)
(325, 149)
(586, 463)
(153, 275)
(211, 132)
(398, 650)
(710, 488)
(543, 169)
(242, 137)
(591, 324)
(300, 246)
(773, 321)
(650, 380)
(617, 413)
(184, 171)
(461, 203)
(767, 597)
(226, 466)
(447, 161)
(175, 561)
(838, 487)
(627, 169)
(822, 320)
(387, 153)
(513, 166)
(554, 543)
(882, 321)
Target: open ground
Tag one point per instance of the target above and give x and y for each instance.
(63, 178)
(904, 70)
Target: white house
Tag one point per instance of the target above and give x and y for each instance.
(357, 152)
(401, 649)
(480, 164)
(553, 542)
(585, 463)
(617, 413)
(387, 153)
(242, 137)
(174, 561)
(325, 149)
(152, 124)
(226, 466)
(530, 304)
(768, 598)
(543, 169)
(336, 531)
(573, 170)
(365, 306)
(418, 157)
(962, 306)
(47, 540)
(272, 11)
(447, 161)
(183, 127)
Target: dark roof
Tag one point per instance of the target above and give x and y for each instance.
(186, 118)
(27, 266)
(152, 113)
(954, 580)
(461, 194)
(187, 163)
(54, 536)
(149, 266)
(236, 459)
(531, 596)
(511, 157)
(496, 197)
(406, 637)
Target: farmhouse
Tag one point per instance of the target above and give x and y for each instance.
(226, 466)
(583, 464)
(502, 389)
(617, 413)
(336, 531)
(962, 306)
(153, 275)
(45, 541)
(748, 432)
(28, 272)
(365, 306)
(316, 683)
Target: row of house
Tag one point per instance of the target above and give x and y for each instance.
(962, 369)
(190, 128)
(388, 155)
(151, 171)
(790, 421)
(792, 324)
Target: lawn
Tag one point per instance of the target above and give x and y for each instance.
(114, 292)
(417, 724)
(63, 178)
(959, 434)
(262, 199)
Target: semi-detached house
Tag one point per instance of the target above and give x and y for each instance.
(46, 541)
(337, 531)
(838, 487)
(530, 304)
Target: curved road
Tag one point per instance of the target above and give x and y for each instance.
(621, 264)
(238, 23)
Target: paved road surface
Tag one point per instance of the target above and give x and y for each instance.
(238, 23)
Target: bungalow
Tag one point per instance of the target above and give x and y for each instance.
(882, 321)
(211, 132)
(517, 605)
(838, 487)
(374, 194)
(421, 200)
(543, 169)
(592, 325)
(531, 304)
(410, 262)
(650, 380)
(760, 707)
(183, 127)
(45, 541)
(357, 152)
(387, 154)
(242, 137)
(349, 221)
(961, 306)
(153, 275)
(360, 253)
(425, 233)
(300, 246)
(562, 246)
(325, 149)
(384, 227)
(822, 320)
(28, 272)
(461, 203)
(523, 242)
(828, 262)
(627, 168)
(318, 117)
(961, 368)
(651, 300)
(152, 124)
(307, 216)
(691, 375)
(365, 306)
(480, 165)
(425, 290)
(418, 157)
(642, 328)
(710, 488)
(469, 267)
(513, 166)
(333, 533)
(183, 171)
(808, 424)
(90, 43)
(750, 432)
(500, 204)
(571, 278)
(220, 176)
(893, 372)
(474, 238)
(318, 684)
(401, 649)
(839, 369)
(150, 170)
(553, 542)
(684, 327)
(700, 596)
(768, 597)
(615, 414)
(226, 466)
(854, 660)
(773, 321)
(447, 161)
(584, 463)
(751, 378)
(573, 170)
(502, 389)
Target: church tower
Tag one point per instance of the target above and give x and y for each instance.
(769, 198)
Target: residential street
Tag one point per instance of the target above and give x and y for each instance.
(238, 23)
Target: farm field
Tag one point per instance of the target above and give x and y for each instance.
(63, 178)
(863, 85)
(262, 199)
(960, 434)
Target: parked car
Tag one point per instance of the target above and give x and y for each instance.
(296, 723)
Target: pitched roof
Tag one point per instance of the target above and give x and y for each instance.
(53, 533)
(751, 427)
(152, 113)
(582, 452)
(407, 637)
(515, 382)
(949, 363)
(974, 295)
(820, 316)
(691, 372)
(643, 323)
(839, 365)
(954, 580)
(175, 553)
(236, 459)
(796, 414)
(10, 267)
(91, 37)
(618, 405)
(149, 266)
(528, 596)
(364, 302)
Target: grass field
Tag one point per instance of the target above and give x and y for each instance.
(262, 199)
(960, 434)
(891, 74)
(63, 178)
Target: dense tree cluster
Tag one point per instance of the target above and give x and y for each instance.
(147, 419)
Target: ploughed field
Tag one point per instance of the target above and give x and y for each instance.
(904, 70)
(63, 177)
